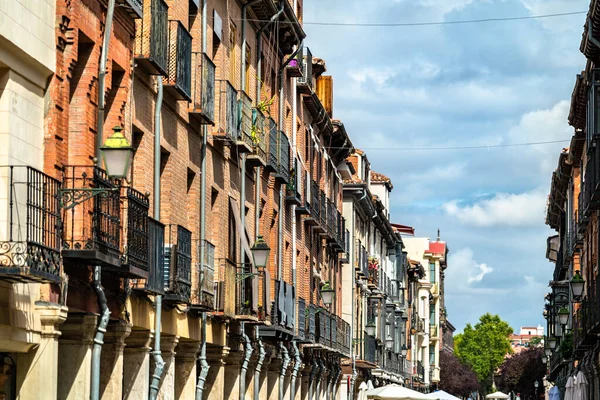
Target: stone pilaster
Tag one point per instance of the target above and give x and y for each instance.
(75, 356)
(136, 365)
(273, 371)
(38, 368)
(111, 360)
(186, 354)
(167, 383)
(233, 366)
(215, 380)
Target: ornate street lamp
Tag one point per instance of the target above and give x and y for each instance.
(577, 284)
(563, 316)
(327, 294)
(260, 252)
(370, 328)
(548, 352)
(389, 342)
(117, 154)
(544, 359)
(404, 351)
(552, 342)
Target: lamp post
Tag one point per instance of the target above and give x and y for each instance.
(370, 328)
(327, 294)
(563, 316)
(536, 384)
(404, 351)
(577, 284)
(260, 252)
(552, 342)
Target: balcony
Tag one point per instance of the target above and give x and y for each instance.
(203, 293)
(369, 349)
(303, 186)
(30, 239)
(273, 151)
(226, 111)
(361, 260)
(225, 293)
(345, 257)
(136, 248)
(202, 106)
(251, 295)
(92, 229)
(323, 334)
(259, 129)
(373, 274)
(155, 282)
(279, 154)
(245, 141)
(314, 208)
(301, 319)
(283, 313)
(295, 68)
(311, 323)
(177, 265)
(344, 336)
(433, 332)
(152, 38)
(133, 7)
(305, 83)
(294, 186)
(179, 71)
(323, 209)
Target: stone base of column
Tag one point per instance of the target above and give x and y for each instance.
(136, 365)
(215, 380)
(186, 354)
(167, 383)
(111, 360)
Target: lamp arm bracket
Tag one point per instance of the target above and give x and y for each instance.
(72, 197)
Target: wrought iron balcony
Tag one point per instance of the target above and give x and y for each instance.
(283, 313)
(259, 129)
(313, 204)
(156, 239)
(202, 106)
(295, 68)
(30, 241)
(311, 323)
(179, 73)
(301, 319)
(203, 293)
(251, 295)
(323, 334)
(323, 208)
(136, 248)
(178, 264)
(227, 111)
(420, 371)
(133, 7)
(361, 259)
(344, 337)
(369, 348)
(92, 228)
(373, 273)
(152, 38)
(283, 170)
(245, 141)
(273, 151)
(345, 257)
(294, 186)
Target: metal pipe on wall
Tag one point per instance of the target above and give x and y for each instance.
(284, 366)
(245, 361)
(99, 338)
(297, 365)
(159, 363)
(259, 364)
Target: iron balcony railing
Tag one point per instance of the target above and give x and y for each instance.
(323, 321)
(346, 254)
(311, 323)
(283, 157)
(156, 253)
(226, 111)
(301, 319)
(306, 82)
(133, 7)
(421, 325)
(373, 273)
(273, 153)
(294, 185)
(203, 88)
(30, 242)
(248, 292)
(258, 135)
(152, 37)
(284, 306)
(203, 292)
(245, 118)
(136, 248)
(370, 348)
(178, 264)
(323, 207)
(420, 371)
(315, 201)
(179, 73)
(92, 228)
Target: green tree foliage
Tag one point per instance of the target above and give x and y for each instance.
(535, 341)
(484, 346)
(455, 377)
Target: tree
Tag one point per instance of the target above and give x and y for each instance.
(455, 377)
(484, 346)
(519, 372)
(535, 341)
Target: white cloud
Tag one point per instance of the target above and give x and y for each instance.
(463, 265)
(506, 209)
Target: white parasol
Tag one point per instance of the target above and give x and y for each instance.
(362, 391)
(580, 387)
(570, 386)
(497, 395)
(396, 392)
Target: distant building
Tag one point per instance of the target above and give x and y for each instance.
(526, 334)
(447, 336)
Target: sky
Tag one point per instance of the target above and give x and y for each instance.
(484, 84)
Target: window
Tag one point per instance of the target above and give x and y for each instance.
(232, 60)
(232, 242)
(247, 67)
(432, 313)
(431, 355)
(432, 272)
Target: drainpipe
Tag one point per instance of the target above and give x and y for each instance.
(297, 365)
(202, 358)
(259, 364)
(313, 375)
(97, 284)
(247, 355)
(98, 340)
(319, 376)
(284, 366)
(159, 364)
(329, 381)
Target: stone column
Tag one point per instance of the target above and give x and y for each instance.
(304, 379)
(111, 360)
(167, 383)
(215, 380)
(186, 354)
(75, 356)
(231, 382)
(136, 365)
(273, 371)
(37, 369)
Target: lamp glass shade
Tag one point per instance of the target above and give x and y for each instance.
(552, 342)
(370, 328)
(260, 252)
(404, 350)
(389, 343)
(563, 316)
(544, 359)
(548, 352)
(117, 154)
(327, 294)
(536, 384)
(577, 284)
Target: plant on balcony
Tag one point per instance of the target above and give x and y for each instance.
(261, 313)
(254, 135)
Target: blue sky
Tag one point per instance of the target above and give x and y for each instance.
(461, 85)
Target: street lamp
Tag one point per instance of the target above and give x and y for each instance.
(548, 352)
(260, 252)
(536, 384)
(370, 328)
(117, 154)
(389, 342)
(552, 342)
(544, 359)
(404, 351)
(327, 294)
(577, 283)
(563, 316)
